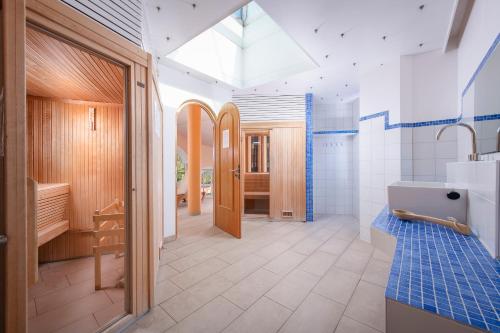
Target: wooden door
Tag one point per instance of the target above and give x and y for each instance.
(227, 166)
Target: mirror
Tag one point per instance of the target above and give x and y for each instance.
(481, 102)
(257, 147)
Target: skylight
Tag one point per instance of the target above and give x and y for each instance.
(245, 49)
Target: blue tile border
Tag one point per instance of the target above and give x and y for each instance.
(353, 131)
(309, 159)
(441, 271)
(389, 126)
(482, 63)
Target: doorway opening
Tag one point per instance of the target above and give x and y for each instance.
(195, 169)
(76, 166)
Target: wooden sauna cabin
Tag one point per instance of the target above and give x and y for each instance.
(273, 169)
(75, 146)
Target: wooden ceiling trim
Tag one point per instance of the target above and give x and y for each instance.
(60, 70)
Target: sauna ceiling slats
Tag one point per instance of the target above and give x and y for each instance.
(59, 70)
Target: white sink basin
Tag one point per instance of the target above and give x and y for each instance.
(429, 198)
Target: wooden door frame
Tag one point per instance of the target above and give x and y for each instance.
(69, 24)
(213, 117)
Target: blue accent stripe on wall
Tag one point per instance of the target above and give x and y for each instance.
(388, 126)
(309, 159)
(482, 63)
(353, 131)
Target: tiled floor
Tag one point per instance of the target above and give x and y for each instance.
(64, 299)
(281, 277)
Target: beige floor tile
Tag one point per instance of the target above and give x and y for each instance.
(44, 287)
(368, 305)
(337, 285)
(165, 290)
(165, 272)
(308, 245)
(250, 289)
(273, 250)
(185, 303)
(240, 252)
(285, 262)
(197, 273)
(347, 325)
(58, 318)
(211, 318)
(353, 261)
(348, 232)
(377, 272)
(64, 296)
(265, 316)
(334, 246)
(87, 324)
(110, 313)
(316, 314)
(292, 290)
(193, 259)
(31, 309)
(362, 246)
(156, 321)
(382, 256)
(318, 263)
(167, 257)
(115, 294)
(239, 270)
(294, 237)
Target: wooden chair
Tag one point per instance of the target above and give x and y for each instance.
(109, 234)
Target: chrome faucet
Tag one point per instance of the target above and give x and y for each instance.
(474, 156)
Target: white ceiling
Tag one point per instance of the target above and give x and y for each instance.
(363, 23)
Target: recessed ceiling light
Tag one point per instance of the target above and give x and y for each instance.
(421, 44)
(421, 7)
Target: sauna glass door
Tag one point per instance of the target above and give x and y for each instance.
(257, 153)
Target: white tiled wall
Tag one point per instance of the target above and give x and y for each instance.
(335, 159)
(429, 155)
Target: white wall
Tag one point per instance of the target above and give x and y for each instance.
(334, 162)
(175, 88)
(482, 28)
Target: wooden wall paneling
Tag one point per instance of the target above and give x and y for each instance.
(287, 174)
(62, 149)
(155, 176)
(13, 12)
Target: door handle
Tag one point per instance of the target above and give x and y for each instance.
(3, 239)
(236, 172)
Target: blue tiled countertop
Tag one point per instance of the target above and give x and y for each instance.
(441, 271)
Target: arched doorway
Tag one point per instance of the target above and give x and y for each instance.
(188, 222)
